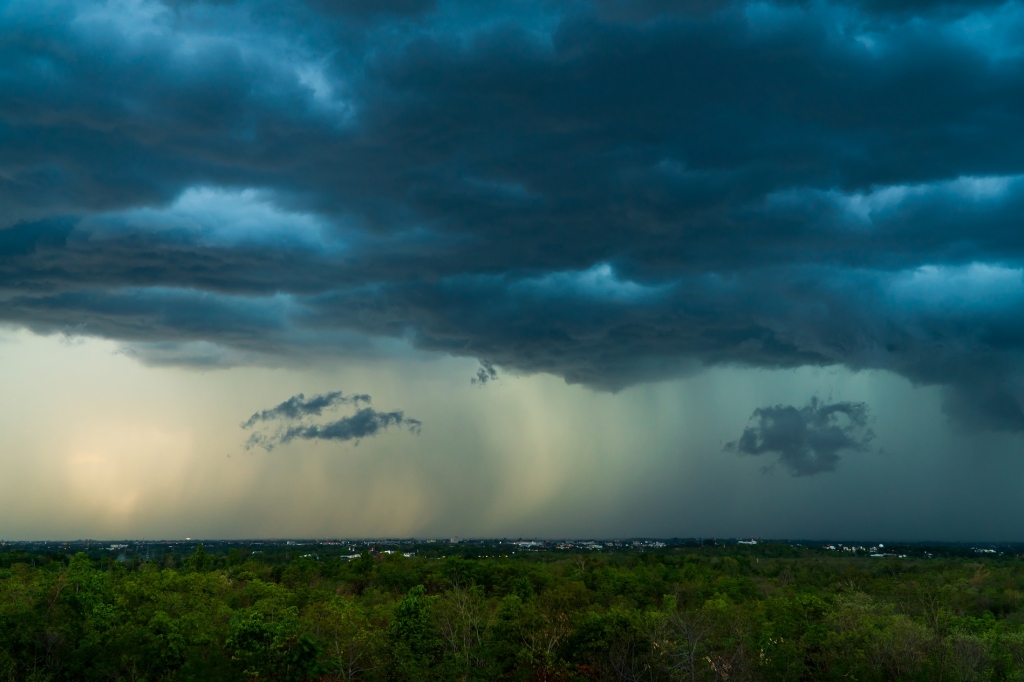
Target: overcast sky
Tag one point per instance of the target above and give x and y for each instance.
(428, 268)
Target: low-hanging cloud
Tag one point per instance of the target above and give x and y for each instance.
(807, 440)
(298, 406)
(364, 423)
(485, 373)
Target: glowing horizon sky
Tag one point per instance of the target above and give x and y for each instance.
(159, 452)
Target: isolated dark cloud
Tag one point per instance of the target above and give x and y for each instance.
(485, 373)
(806, 440)
(298, 406)
(292, 421)
(365, 422)
(610, 192)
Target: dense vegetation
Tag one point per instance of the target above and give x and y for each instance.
(669, 614)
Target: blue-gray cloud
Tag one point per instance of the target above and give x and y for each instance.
(610, 192)
(807, 440)
(365, 422)
(298, 406)
(485, 373)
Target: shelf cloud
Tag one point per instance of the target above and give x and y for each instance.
(613, 193)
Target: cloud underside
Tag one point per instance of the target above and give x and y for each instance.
(608, 192)
(807, 440)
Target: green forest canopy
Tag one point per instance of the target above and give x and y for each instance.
(771, 612)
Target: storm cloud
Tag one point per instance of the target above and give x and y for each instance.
(609, 192)
(806, 440)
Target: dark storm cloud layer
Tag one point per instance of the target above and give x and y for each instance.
(611, 192)
(364, 423)
(807, 440)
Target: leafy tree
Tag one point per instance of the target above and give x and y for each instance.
(415, 643)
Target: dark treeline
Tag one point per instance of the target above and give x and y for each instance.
(670, 614)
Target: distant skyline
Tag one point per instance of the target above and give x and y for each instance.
(564, 268)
